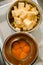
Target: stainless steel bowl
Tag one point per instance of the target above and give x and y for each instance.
(7, 45)
(33, 3)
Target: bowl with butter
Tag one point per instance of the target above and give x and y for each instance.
(24, 16)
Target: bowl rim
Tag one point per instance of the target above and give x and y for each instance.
(39, 8)
(31, 36)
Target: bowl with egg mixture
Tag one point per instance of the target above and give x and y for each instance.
(18, 49)
(24, 16)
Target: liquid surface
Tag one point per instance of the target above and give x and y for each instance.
(20, 49)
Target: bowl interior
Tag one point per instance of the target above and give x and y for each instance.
(22, 47)
(8, 45)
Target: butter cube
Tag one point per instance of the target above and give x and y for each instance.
(23, 14)
(34, 10)
(28, 7)
(16, 13)
(15, 7)
(17, 20)
(17, 29)
(27, 22)
(20, 5)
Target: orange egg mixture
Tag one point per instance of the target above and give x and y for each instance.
(20, 49)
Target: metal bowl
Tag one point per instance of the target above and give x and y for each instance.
(30, 59)
(28, 1)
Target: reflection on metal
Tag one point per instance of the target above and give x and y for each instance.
(3, 2)
(40, 2)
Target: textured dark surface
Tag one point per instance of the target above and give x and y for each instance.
(40, 2)
(1, 0)
(2, 62)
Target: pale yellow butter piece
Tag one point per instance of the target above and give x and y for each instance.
(17, 29)
(20, 5)
(27, 22)
(28, 6)
(13, 13)
(24, 28)
(32, 17)
(34, 10)
(16, 13)
(23, 13)
(32, 25)
(17, 20)
(15, 7)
